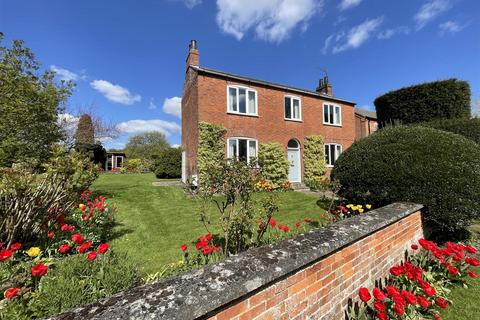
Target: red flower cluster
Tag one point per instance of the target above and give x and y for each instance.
(96, 204)
(204, 244)
(66, 227)
(5, 254)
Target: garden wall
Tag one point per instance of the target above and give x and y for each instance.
(310, 276)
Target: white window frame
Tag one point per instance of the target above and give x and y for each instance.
(249, 157)
(299, 119)
(339, 124)
(247, 90)
(330, 145)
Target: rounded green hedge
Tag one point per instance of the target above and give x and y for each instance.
(438, 169)
(169, 164)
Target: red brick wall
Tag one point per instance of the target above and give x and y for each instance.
(364, 126)
(270, 124)
(190, 120)
(322, 290)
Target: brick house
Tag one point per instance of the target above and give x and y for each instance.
(256, 111)
(365, 123)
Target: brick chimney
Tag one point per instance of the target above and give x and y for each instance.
(325, 87)
(193, 58)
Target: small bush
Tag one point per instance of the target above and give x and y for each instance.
(424, 102)
(314, 161)
(136, 166)
(273, 163)
(438, 169)
(73, 282)
(469, 128)
(169, 164)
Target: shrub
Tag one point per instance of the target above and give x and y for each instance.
(169, 164)
(75, 281)
(137, 166)
(438, 169)
(424, 102)
(30, 201)
(469, 128)
(273, 163)
(314, 161)
(211, 149)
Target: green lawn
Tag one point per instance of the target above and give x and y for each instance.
(154, 221)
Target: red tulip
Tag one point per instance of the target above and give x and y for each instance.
(39, 270)
(11, 293)
(105, 246)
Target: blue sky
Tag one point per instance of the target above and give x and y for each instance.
(128, 57)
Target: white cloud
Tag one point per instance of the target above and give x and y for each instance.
(173, 106)
(152, 105)
(348, 4)
(272, 20)
(114, 92)
(450, 27)
(192, 3)
(175, 145)
(352, 39)
(139, 126)
(388, 33)
(68, 121)
(430, 11)
(67, 75)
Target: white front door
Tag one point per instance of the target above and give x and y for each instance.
(294, 159)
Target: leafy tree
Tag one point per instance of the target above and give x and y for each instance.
(146, 145)
(29, 106)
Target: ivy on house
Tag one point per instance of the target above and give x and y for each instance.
(314, 161)
(211, 149)
(273, 163)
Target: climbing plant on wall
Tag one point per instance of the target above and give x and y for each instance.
(273, 163)
(314, 161)
(211, 149)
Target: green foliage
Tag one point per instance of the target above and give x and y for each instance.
(438, 169)
(231, 188)
(85, 132)
(211, 150)
(445, 99)
(136, 166)
(273, 163)
(146, 145)
(72, 282)
(169, 164)
(469, 128)
(29, 201)
(314, 161)
(95, 152)
(29, 106)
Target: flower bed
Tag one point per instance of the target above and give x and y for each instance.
(25, 268)
(419, 288)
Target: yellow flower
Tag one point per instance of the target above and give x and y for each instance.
(33, 252)
(354, 208)
(349, 205)
(360, 206)
(360, 210)
(82, 207)
(369, 206)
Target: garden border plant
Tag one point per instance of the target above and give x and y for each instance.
(314, 161)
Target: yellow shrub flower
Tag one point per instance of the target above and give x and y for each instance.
(360, 210)
(33, 252)
(369, 206)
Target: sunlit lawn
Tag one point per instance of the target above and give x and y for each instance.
(154, 221)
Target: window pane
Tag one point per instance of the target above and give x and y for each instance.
(330, 120)
(232, 148)
(232, 99)
(251, 102)
(242, 103)
(332, 155)
(252, 148)
(325, 113)
(327, 154)
(337, 115)
(339, 150)
(296, 108)
(242, 149)
(288, 108)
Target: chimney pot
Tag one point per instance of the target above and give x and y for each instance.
(193, 58)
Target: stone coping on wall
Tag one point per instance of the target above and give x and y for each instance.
(200, 293)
